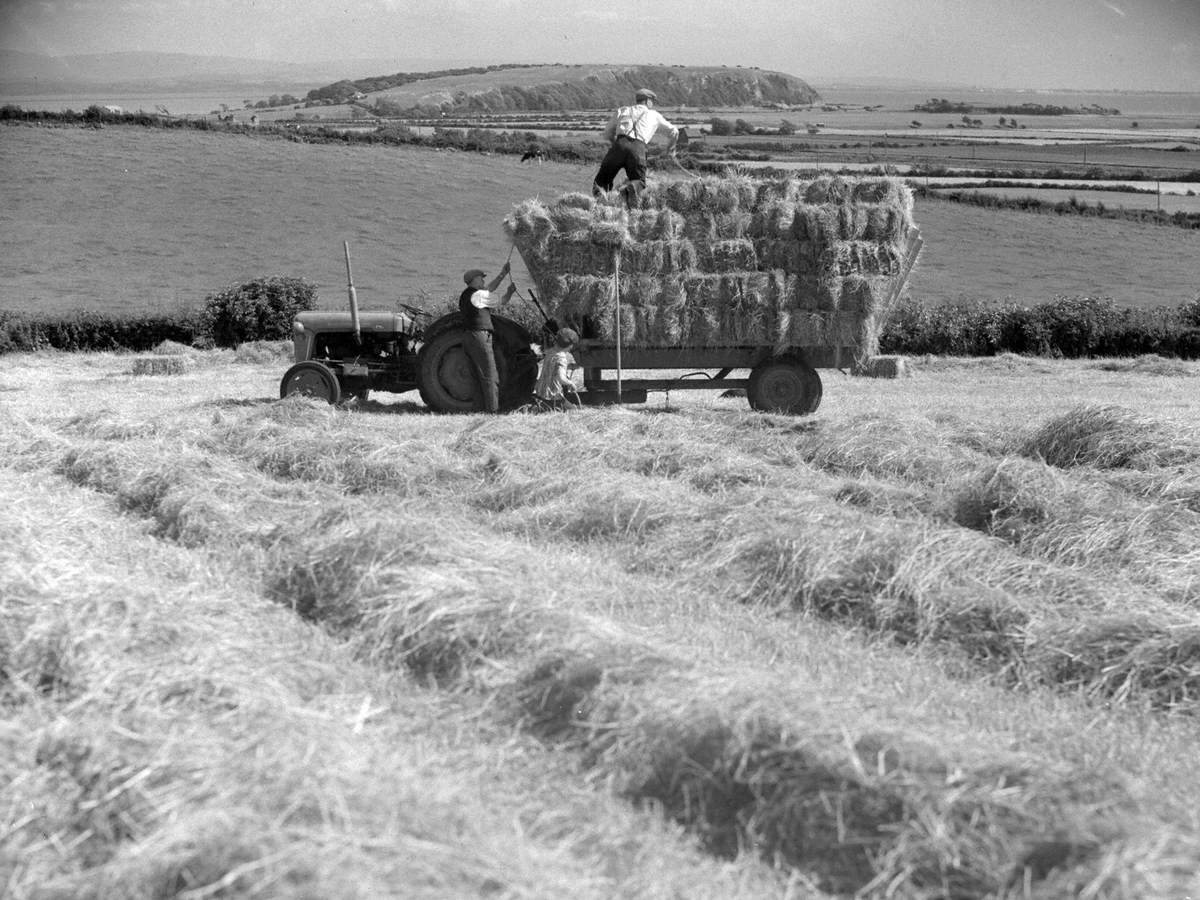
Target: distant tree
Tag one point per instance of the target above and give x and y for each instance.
(741, 126)
(720, 126)
(786, 127)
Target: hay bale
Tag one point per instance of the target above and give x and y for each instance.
(843, 258)
(171, 348)
(529, 224)
(162, 365)
(882, 367)
(570, 218)
(711, 194)
(658, 257)
(817, 225)
(864, 294)
(723, 260)
(772, 220)
(575, 200)
(736, 255)
(886, 223)
(655, 225)
(772, 190)
(813, 292)
(609, 226)
(829, 190)
(578, 256)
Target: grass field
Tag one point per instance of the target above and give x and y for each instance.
(939, 640)
(1168, 203)
(133, 219)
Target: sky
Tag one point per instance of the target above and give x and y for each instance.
(1078, 44)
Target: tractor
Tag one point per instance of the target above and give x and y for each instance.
(342, 356)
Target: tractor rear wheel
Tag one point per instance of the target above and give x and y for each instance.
(313, 379)
(447, 380)
(785, 384)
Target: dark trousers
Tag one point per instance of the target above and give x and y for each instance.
(478, 347)
(626, 153)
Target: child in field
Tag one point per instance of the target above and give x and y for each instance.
(555, 387)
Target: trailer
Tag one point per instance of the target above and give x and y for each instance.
(723, 283)
(781, 378)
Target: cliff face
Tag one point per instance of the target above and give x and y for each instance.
(561, 87)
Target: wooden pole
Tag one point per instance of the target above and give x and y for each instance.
(617, 295)
(353, 296)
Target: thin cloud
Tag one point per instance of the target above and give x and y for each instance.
(1120, 12)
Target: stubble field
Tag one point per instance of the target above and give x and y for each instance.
(939, 640)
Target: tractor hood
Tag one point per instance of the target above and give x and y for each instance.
(322, 321)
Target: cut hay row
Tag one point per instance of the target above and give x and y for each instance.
(1117, 501)
(168, 733)
(557, 532)
(389, 589)
(851, 814)
(915, 583)
(791, 246)
(1008, 622)
(872, 814)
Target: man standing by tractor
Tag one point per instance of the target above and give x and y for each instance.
(475, 304)
(629, 133)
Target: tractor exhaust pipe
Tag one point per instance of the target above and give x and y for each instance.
(353, 296)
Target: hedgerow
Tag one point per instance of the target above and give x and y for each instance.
(84, 330)
(1069, 327)
(258, 310)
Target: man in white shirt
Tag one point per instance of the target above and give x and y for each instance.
(629, 132)
(475, 304)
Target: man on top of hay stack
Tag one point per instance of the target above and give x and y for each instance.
(629, 132)
(475, 304)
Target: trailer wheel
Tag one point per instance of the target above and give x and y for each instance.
(313, 379)
(446, 378)
(785, 384)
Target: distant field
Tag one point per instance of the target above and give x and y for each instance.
(1169, 203)
(125, 219)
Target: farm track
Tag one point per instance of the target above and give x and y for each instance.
(550, 568)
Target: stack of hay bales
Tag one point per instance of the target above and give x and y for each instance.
(723, 261)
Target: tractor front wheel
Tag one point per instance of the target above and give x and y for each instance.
(785, 384)
(312, 379)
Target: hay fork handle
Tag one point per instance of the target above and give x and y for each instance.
(353, 297)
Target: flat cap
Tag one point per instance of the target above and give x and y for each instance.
(472, 274)
(645, 93)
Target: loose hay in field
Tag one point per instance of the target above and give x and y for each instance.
(1109, 437)
(725, 261)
